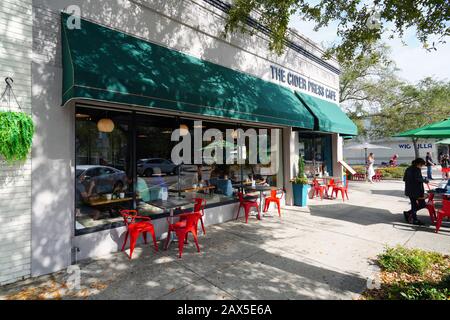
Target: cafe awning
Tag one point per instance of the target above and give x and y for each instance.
(329, 116)
(103, 64)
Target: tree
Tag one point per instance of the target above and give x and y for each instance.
(360, 24)
(363, 81)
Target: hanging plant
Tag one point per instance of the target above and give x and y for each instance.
(16, 135)
(16, 130)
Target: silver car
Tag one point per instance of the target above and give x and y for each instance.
(148, 167)
(107, 179)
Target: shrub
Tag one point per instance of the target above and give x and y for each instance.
(393, 172)
(425, 290)
(411, 261)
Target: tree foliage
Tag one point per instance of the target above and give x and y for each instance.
(382, 104)
(360, 23)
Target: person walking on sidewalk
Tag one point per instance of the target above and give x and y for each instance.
(370, 170)
(414, 190)
(445, 163)
(429, 163)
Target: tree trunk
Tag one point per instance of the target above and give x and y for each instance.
(416, 149)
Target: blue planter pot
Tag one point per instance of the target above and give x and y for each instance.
(300, 192)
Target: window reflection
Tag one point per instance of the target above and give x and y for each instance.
(103, 169)
(131, 166)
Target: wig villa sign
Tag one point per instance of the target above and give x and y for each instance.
(300, 82)
(419, 146)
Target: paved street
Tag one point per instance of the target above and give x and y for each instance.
(323, 252)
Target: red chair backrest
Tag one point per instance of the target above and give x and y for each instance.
(446, 206)
(129, 216)
(431, 198)
(191, 221)
(240, 196)
(274, 193)
(331, 182)
(200, 204)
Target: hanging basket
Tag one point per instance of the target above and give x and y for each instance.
(16, 130)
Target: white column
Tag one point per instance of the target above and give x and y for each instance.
(290, 159)
(337, 147)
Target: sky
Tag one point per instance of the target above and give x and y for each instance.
(414, 62)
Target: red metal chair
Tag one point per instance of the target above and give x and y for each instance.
(182, 229)
(341, 188)
(444, 212)
(331, 183)
(378, 176)
(431, 208)
(199, 209)
(319, 189)
(247, 205)
(135, 228)
(273, 198)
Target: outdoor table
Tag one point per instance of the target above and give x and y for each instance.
(102, 201)
(171, 204)
(195, 189)
(261, 190)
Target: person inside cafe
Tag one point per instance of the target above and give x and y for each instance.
(82, 196)
(414, 190)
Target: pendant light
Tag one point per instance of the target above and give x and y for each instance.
(105, 125)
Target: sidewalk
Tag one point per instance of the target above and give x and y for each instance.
(320, 252)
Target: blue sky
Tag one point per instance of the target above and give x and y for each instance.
(413, 61)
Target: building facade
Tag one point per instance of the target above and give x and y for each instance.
(108, 83)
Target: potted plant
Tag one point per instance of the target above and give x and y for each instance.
(16, 130)
(300, 185)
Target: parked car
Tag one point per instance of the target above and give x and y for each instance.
(148, 167)
(106, 179)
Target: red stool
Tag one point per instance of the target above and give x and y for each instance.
(135, 228)
(247, 205)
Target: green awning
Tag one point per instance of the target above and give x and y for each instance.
(329, 116)
(437, 130)
(103, 64)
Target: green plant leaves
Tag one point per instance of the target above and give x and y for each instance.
(16, 135)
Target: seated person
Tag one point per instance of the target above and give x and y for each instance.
(82, 198)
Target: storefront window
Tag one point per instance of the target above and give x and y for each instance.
(316, 151)
(125, 160)
(103, 168)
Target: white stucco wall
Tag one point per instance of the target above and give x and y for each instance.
(15, 180)
(190, 26)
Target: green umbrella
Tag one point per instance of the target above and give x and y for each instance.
(436, 130)
(445, 141)
(219, 144)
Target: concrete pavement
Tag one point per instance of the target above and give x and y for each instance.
(321, 252)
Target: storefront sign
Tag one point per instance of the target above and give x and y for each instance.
(419, 146)
(300, 82)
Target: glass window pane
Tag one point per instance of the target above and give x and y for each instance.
(103, 168)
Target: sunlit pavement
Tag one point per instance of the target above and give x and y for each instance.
(321, 252)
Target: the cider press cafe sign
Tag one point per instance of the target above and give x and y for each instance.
(300, 82)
